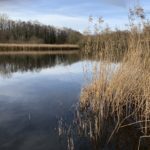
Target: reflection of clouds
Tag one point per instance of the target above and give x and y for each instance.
(60, 71)
(49, 93)
(5, 74)
(75, 68)
(69, 74)
(56, 76)
(29, 82)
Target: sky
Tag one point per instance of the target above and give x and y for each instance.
(71, 14)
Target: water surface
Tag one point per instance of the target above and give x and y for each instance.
(35, 92)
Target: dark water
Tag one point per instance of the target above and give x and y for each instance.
(35, 92)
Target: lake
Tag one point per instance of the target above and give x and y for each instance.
(36, 91)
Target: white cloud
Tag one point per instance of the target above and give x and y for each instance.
(71, 16)
(79, 23)
(76, 22)
(64, 20)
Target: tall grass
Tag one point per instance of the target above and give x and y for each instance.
(36, 47)
(107, 44)
(110, 104)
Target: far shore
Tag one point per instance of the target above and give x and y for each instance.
(7, 47)
(54, 52)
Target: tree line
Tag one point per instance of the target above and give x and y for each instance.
(34, 32)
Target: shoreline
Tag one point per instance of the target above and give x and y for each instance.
(37, 47)
(60, 52)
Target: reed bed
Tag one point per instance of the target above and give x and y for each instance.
(107, 44)
(36, 47)
(54, 52)
(110, 104)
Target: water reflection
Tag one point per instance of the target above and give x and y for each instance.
(24, 63)
(40, 90)
(32, 101)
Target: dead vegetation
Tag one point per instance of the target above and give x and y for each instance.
(36, 47)
(110, 104)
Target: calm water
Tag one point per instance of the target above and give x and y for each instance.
(35, 92)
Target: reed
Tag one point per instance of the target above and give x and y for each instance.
(107, 44)
(36, 47)
(110, 104)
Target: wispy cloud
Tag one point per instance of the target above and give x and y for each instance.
(121, 3)
(68, 13)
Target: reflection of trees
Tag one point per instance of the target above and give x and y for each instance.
(23, 63)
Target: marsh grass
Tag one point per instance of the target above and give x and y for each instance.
(36, 47)
(110, 104)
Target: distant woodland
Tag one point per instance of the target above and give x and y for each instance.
(34, 32)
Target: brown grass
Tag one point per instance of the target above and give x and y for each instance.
(109, 104)
(54, 52)
(36, 47)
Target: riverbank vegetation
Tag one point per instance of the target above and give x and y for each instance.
(46, 48)
(117, 102)
(106, 43)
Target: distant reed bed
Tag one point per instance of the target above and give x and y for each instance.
(36, 47)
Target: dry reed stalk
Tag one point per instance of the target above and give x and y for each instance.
(125, 98)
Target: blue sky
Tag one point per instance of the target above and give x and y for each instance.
(72, 14)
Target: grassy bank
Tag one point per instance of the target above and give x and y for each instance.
(54, 52)
(36, 47)
(113, 104)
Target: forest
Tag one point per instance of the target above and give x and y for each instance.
(34, 32)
